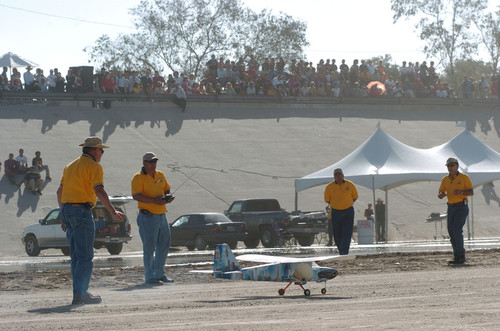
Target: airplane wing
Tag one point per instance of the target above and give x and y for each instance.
(258, 258)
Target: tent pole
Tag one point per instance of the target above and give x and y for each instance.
(472, 215)
(296, 200)
(386, 214)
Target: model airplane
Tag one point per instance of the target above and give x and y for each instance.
(291, 270)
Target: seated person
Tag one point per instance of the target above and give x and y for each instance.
(11, 168)
(23, 162)
(179, 96)
(33, 181)
(39, 166)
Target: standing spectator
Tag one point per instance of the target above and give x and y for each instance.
(467, 87)
(60, 83)
(341, 194)
(157, 79)
(380, 232)
(212, 65)
(37, 162)
(33, 181)
(108, 86)
(51, 81)
(70, 81)
(484, 88)
(152, 192)
(134, 79)
(81, 184)
(456, 187)
(147, 81)
(4, 74)
(344, 71)
(121, 83)
(354, 72)
(11, 167)
(29, 79)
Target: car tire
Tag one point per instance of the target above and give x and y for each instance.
(65, 250)
(232, 244)
(190, 248)
(305, 240)
(31, 245)
(200, 243)
(114, 248)
(251, 243)
(268, 237)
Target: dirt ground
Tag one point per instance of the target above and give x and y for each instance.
(386, 291)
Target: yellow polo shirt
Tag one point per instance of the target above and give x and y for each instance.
(79, 179)
(341, 196)
(461, 182)
(151, 187)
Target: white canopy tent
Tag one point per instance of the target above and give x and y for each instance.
(383, 162)
(12, 60)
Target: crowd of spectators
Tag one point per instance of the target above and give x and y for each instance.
(272, 77)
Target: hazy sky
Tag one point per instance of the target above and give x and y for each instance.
(53, 33)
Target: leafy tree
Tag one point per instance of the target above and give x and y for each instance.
(444, 25)
(181, 35)
(489, 27)
(267, 35)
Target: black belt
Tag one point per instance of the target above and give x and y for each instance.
(144, 211)
(87, 205)
(461, 203)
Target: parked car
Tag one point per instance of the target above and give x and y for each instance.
(110, 232)
(206, 229)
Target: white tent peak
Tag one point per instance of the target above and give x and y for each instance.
(12, 60)
(380, 162)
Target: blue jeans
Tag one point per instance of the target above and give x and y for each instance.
(342, 224)
(457, 215)
(80, 232)
(155, 235)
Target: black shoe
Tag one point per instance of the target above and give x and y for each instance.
(39, 192)
(165, 279)
(88, 299)
(459, 260)
(48, 178)
(152, 281)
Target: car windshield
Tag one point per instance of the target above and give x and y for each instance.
(216, 218)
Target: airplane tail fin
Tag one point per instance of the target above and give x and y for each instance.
(224, 261)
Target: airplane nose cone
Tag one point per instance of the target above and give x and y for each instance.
(328, 274)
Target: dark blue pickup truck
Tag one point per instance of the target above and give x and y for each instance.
(268, 223)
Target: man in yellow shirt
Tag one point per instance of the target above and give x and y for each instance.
(81, 185)
(340, 195)
(457, 187)
(152, 192)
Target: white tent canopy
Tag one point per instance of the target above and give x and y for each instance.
(478, 160)
(12, 60)
(383, 162)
